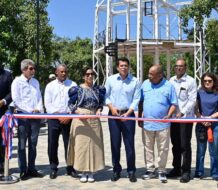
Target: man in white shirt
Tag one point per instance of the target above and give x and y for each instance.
(181, 133)
(56, 102)
(27, 98)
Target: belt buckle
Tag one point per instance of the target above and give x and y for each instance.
(120, 112)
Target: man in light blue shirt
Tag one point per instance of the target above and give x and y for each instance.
(122, 97)
(159, 101)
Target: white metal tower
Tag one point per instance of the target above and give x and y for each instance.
(147, 27)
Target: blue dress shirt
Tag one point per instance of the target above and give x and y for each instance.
(123, 94)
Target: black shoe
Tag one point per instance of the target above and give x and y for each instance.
(132, 177)
(34, 173)
(115, 176)
(185, 178)
(24, 176)
(72, 174)
(198, 176)
(174, 173)
(53, 174)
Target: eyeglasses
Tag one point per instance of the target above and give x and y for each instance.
(209, 81)
(124, 65)
(179, 66)
(32, 68)
(88, 74)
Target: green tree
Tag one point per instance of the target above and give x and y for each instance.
(199, 10)
(18, 34)
(76, 54)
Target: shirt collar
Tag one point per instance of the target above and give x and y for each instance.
(24, 78)
(129, 76)
(183, 78)
(64, 82)
(159, 84)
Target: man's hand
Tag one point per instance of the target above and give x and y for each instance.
(64, 120)
(2, 103)
(114, 111)
(167, 117)
(36, 111)
(179, 115)
(140, 124)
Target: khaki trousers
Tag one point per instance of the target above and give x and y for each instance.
(162, 138)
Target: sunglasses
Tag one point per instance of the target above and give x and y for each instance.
(209, 81)
(179, 66)
(88, 74)
(32, 68)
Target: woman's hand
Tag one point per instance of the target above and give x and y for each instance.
(98, 112)
(206, 124)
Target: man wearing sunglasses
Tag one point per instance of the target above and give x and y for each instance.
(26, 96)
(181, 133)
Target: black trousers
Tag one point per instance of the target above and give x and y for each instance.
(125, 129)
(55, 128)
(181, 134)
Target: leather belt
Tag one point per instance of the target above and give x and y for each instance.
(120, 112)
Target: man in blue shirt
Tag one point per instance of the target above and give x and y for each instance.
(159, 101)
(122, 98)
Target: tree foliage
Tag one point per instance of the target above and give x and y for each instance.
(76, 54)
(199, 9)
(18, 33)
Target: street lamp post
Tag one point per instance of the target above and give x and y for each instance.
(37, 33)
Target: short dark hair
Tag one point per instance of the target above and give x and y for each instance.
(124, 59)
(214, 78)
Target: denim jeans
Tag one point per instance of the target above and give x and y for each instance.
(28, 130)
(213, 151)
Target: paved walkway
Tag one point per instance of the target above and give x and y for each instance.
(64, 182)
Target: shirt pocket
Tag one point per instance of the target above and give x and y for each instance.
(162, 98)
(147, 94)
(182, 94)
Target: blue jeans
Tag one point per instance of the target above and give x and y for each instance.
(28, 129)
(213, 151)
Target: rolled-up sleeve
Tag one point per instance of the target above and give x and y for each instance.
(136, 96)
(108, 92)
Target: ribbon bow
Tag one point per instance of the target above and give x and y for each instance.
(7, 123)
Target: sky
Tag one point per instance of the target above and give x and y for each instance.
(72, 18)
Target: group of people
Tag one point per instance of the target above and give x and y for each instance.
(125, 96)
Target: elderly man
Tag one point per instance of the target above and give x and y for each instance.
(159, 101)
(181, 133)
(5, 100)
(27, 98)
(122, 97)
(56, 102)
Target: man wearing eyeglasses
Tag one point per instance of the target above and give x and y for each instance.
(181, 133)
(122, 98)
(26, 96)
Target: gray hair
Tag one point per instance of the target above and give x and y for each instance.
(25, 63)
(61, 65)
